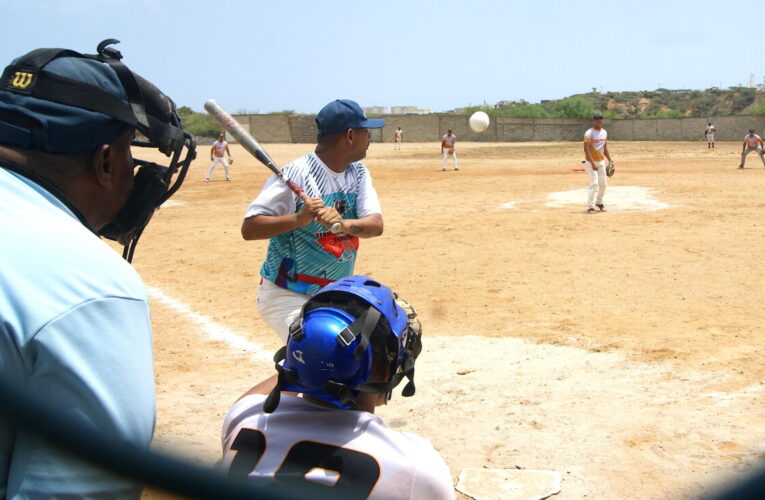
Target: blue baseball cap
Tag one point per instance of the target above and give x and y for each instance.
(30, 123)
(342, 114)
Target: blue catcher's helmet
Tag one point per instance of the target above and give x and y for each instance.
(351, 336)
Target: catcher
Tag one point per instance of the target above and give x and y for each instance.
(595, 154)
(217, 151)
(310, 430)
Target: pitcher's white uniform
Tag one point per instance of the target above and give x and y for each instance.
(219, 149)
(377, 462)
(596, 141)
(447, 148)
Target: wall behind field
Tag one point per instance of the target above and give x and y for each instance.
(430, 128)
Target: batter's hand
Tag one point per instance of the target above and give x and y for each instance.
(327, 216)
(309, 210)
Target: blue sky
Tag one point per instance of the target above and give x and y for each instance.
(263, 56)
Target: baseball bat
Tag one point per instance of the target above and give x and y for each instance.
(254, 148)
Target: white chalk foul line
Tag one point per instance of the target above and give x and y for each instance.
(210, 328)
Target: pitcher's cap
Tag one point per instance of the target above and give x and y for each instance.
(342, 114)
(597, 116)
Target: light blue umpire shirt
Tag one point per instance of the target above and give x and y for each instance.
(74, 331)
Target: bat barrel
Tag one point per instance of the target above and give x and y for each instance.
(232, 126)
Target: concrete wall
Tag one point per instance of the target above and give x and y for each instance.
(427, 128)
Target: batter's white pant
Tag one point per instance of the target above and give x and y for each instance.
(748, 150)
(598, 183)
(279, 307)
(446, 155)
(215, 161)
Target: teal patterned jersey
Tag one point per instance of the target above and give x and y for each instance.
(307, 258)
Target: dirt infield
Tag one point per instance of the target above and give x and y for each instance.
(621, 349)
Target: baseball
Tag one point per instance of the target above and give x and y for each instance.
(479, 121)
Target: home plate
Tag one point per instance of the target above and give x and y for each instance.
(511, 484)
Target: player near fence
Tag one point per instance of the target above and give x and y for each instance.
(311, 431)
(710, 135)
(398, 138)
(303, 255)
(448, 143)
(595, 156)
(752, 142)
(218, 153)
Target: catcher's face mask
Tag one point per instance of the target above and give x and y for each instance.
(147, 109)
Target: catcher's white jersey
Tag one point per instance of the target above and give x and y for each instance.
(219, 148)
(597, 141)
(319, 452)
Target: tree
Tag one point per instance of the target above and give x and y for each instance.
(759, 108)
(573, 107)
(526, 110)
(742, 99)
(666, 113)
(198, 124)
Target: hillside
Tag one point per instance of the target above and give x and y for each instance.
(659, 103)
(681, 102)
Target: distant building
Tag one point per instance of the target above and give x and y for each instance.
(376, 110)
(408, 110)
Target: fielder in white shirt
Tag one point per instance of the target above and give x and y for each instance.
(447, 149)
(710, 135)
(311, 432)
(217, 155)
(398, 138)
(752, 142)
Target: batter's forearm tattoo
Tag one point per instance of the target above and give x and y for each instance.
(357, 230)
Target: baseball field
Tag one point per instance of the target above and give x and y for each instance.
(622, 350)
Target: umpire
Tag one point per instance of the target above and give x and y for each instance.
(75, 330)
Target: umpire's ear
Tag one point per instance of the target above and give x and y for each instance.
(102, 166)
(112, 164)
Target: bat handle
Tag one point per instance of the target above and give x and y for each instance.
(335, 228)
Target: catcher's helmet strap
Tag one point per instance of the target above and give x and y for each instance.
(272, 401)
(370, 318)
